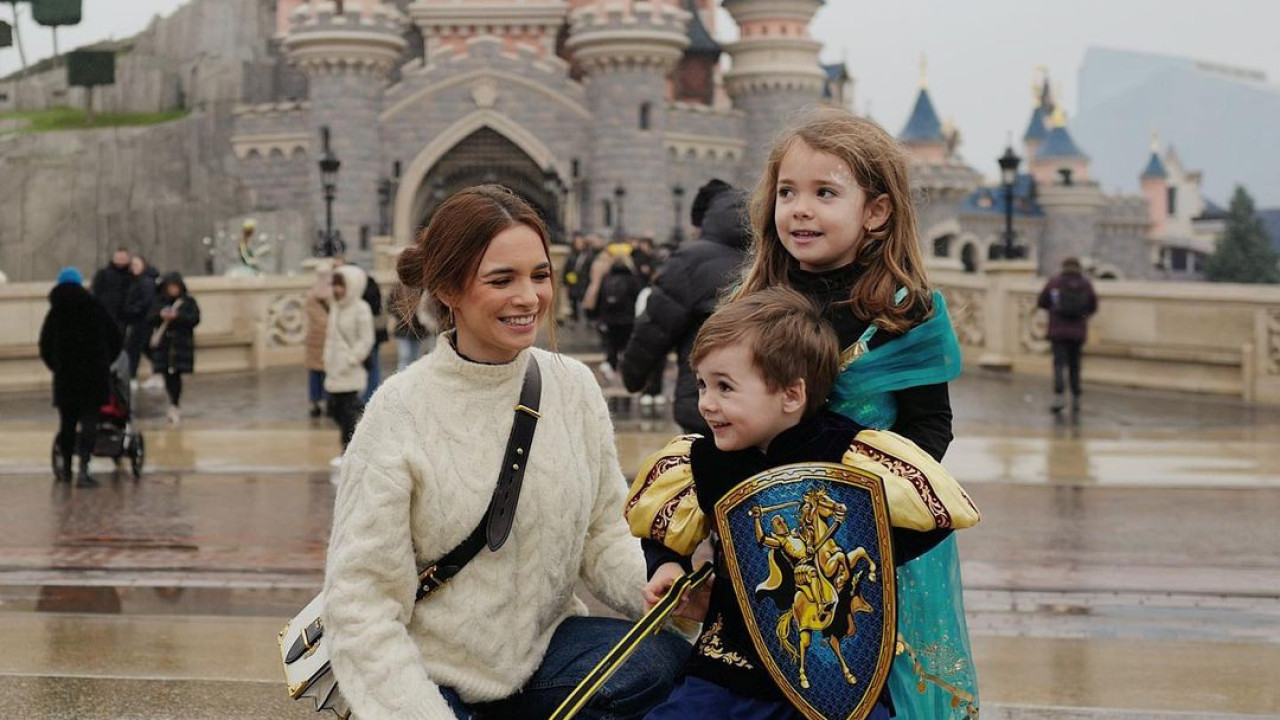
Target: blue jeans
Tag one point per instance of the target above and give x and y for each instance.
(577, 646)
(315, 386)
(408, 349)
(374, 367)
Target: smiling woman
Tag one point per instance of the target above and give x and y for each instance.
(506, 631)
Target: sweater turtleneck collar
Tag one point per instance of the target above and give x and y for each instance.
(452, 362)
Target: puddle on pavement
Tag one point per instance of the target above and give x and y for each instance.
(160, 600)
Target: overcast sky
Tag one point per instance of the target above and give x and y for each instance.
(981, 53)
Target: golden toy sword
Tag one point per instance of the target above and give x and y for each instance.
(648, 625)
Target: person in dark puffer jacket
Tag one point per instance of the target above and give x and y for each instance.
(685, 294)
(78, 341)
(173, 324)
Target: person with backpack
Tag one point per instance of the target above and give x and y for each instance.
(1071, 301)
(616, 305)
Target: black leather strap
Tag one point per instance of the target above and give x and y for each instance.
(495, 526)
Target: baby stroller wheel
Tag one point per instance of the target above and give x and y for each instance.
(138, 455)
(55, 460)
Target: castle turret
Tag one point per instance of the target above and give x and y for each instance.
(923, 134)
(1038, 127)
(627, 48)
(1155, 186)
(775, 70)
(695, 79)
(1059, 159)
(347, 49)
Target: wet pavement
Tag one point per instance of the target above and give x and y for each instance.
(1128, 564)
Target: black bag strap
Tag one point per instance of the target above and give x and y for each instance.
(494, 528)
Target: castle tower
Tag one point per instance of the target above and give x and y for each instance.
(775, 70)
(1038, 128)
(347, 56)
(627, 48)
(1155, 186)
(1059, 159)
(923, 134)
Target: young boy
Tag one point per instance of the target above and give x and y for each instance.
(765, 364)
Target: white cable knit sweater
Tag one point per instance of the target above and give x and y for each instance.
(416, 480)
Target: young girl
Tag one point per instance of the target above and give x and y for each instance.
(833, 218)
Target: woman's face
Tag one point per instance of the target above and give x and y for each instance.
(498, 313)
(137, 265)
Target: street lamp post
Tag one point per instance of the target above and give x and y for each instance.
(1008, 176)
(677, 230)
(329, 165)
(619, 196)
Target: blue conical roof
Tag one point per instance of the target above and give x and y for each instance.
(700, 40)
(1037, 131)
(923, 125)
(1059, 144)
(1155, 167)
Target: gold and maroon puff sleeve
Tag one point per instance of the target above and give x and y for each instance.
(921, 494)
(663, 503)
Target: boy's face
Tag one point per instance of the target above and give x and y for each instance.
(737, 403)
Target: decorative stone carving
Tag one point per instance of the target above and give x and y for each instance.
(1273, 341)
(485, 94)
(968, 314)
(1033, 326)
(286, 321)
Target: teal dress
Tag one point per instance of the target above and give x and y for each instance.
(933, 676)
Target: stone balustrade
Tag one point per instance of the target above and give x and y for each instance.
(1190, 337)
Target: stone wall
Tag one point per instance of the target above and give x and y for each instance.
(69, 198)
(205, 52)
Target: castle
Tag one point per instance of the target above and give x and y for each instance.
(606, 115)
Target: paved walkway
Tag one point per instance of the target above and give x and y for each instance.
(1128, 564)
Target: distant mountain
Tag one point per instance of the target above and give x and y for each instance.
(1222, 120)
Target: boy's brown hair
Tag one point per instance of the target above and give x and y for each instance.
(788, 338)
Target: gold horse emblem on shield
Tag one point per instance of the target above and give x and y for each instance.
(826, 579)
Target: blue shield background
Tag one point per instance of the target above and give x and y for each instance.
(828, 693)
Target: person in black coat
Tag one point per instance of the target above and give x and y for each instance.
(111, 286)
(78, 342)
(172, 340)
(137, 310)
(685, 294)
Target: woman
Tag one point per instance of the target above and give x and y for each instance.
(506, 637)
(172, 342)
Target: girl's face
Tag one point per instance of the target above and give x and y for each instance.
(498, 314)
(172, 290)
(339, 288)
(820, 213)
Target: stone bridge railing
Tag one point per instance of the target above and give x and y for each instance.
(1191, 337)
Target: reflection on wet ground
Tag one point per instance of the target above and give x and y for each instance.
(1128, 564)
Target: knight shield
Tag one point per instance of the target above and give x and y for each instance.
(807, 548)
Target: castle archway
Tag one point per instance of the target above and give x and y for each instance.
(485, 147)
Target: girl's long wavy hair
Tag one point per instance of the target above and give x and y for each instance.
(890, 253)
(446, 254)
